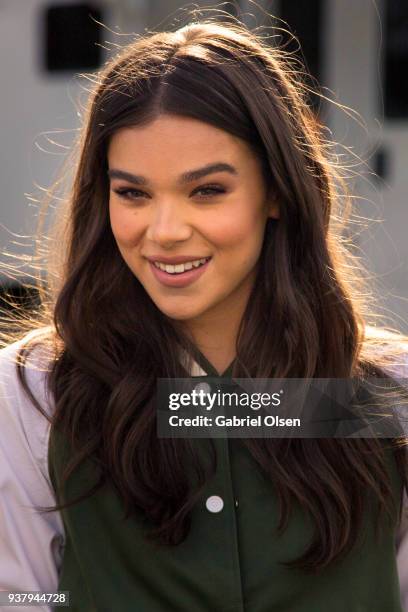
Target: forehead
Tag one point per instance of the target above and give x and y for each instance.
(176, 142)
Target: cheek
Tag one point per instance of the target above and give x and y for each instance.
(239, 243)
(240, 231)
(126, 227)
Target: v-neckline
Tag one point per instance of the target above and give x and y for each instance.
(210, 370)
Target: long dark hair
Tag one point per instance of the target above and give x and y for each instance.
(305, 316)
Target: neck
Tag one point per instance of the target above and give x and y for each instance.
(215, 332)
(218, 348)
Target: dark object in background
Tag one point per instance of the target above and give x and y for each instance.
(380, 163)
(71, 34)
(396, 59)
(305, 18)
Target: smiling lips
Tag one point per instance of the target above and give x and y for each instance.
(178, 271)
(180, 267)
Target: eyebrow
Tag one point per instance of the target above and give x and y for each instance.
(186, 177)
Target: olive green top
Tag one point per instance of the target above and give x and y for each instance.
(231, 558)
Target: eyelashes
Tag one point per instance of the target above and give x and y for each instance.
(210, 191)
(130, 193)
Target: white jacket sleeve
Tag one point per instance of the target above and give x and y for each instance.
(401, 372)
(31, 543)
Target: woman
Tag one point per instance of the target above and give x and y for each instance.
(200, 239)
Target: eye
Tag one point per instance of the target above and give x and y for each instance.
(129, 193)
(210, 190)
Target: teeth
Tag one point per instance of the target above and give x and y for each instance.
(180, 268)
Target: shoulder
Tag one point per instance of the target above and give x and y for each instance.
(34, 353)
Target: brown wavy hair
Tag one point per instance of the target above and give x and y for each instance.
(305, 318)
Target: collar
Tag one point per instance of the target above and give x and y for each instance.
(202, 367)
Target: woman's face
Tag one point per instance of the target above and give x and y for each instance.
(188, 209)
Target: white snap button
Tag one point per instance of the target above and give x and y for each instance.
(202, 386)
(214, 503)
(236, 503)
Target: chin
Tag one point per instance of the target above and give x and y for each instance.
(179, 314)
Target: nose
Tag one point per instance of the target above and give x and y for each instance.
(168, 225)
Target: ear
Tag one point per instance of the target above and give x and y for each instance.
(273, 209)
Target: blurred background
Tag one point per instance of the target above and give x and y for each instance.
(356, 49)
